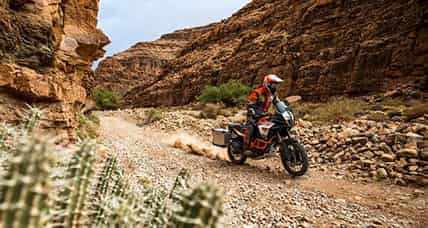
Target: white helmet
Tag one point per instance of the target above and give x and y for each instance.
(270, 82)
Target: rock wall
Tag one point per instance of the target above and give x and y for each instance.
(321, 47)
(46, 48)
(142, 65)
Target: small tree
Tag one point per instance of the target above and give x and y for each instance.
(106, 99)
(231, 93)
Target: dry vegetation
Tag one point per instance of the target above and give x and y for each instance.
(346, 109)
(88, 126)
(335, 110)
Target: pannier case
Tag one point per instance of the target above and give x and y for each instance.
(220, 137)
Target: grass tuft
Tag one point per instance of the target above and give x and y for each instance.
(153, 115)
(335, 110)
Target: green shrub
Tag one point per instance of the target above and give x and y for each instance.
(153, 115)
(231, 94)
(106, 99)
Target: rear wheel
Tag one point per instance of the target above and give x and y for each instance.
(235, 152)
(294, 158)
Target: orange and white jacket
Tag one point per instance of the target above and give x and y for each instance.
(260, 95)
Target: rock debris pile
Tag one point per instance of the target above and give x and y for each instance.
(370, 149)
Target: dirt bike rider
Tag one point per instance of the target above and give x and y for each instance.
(259, 102)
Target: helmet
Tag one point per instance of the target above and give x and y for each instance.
(270, 82)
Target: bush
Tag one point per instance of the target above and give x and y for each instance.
(231, 94)
(152, 115)
(106, 99)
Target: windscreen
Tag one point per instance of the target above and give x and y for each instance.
(281, 107)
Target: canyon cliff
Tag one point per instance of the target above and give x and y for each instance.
(322, 48)
(144, 64)
(46, 49)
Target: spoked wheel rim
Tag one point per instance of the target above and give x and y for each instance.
(294, 158)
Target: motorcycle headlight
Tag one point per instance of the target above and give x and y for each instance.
(289, 118)
(286, 116)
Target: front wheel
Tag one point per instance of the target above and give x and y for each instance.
(294, 158)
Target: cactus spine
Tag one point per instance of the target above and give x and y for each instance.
(32, 118)
(4, 133)
(181, 184)
(102, 188)
(106, 176)
(73, 198)
(116, 204)
(122, 212)
(120, 183)
(201, 208)
(25, 186)
(157, 208)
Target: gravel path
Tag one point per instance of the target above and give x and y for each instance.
(260, 194)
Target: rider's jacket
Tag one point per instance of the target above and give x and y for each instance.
(260, 99)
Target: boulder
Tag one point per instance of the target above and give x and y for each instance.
(385, 147)
(381, 173)
(424, 154)
(360, 140)
(408, 153)
(388, 157)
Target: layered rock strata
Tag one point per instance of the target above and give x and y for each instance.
(46, 48)
(142, 65)
(322, 48)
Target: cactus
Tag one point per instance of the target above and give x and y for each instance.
(102, 188)
(121, 212)
(72, 201)
(156, 208)
(116, 204)
(201, 208)
(4, 133)
(181, 184)
(106, 176)
(119, 182)
(25, 187)
(31, 118)
(106, 201)
(8, 136)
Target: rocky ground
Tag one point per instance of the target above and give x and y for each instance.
(260, 194)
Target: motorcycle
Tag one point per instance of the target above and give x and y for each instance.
(272, 136)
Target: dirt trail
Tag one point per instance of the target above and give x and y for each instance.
(260, 194)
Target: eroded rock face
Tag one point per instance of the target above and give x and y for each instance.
(46, 48)
(142, 65)
(321, 47)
